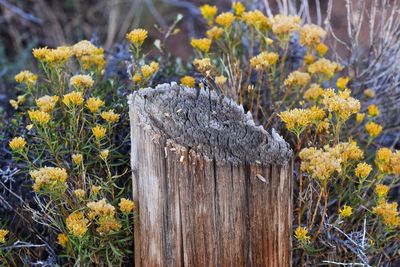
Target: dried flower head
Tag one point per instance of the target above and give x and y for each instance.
(203, 65)
(137, 36)
(100, 209)
(104, 154)
(95, 189)
(320, 163)
(284, 25)
(369, 93)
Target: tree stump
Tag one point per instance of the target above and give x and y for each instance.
(212, 189)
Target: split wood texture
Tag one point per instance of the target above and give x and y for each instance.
(212, 189)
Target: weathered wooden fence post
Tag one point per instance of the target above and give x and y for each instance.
(212, 188)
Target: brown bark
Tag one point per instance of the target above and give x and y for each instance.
(211, 188)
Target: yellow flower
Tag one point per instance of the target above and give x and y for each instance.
(50, 177)
(188, 81)
(373, 111)
(382, 159)
(341, 83)
(110, 116)
(104, 154)
(208, 12)
(301, 234)
(126, 205)
(94, 103)
(297, 78)
(137, 36)
(77, 158)
(39, 116)
(108, 224)
(3, 234)
(81, 81)
(310, 35)
(388, 212)
(99, 132)
(363, 170)
(373, 129)
(62, 239)
(203, 65)
(314, 92)
(29, 127)
(77, 224)
(309, 58)
(369, 93)
(321, 49)
(95, 189)
(53, 56)
(220, 80)
(46, 103)
(381, 190)
(347, 151)
(238, 8)
(149, 70)
(346, 211)
(89, 55)
(225, 19)
(73, 99)
(202, 44)
(256, 19)
(325, 67)
(320, 163)
(215, 33)
(341, 104)
(296, 120)
(17, 143)
(26, 77)
(100, 208)
(360, 117)
(283, 25)
(264, 60)
(79, 193)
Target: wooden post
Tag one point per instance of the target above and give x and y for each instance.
(212, 189)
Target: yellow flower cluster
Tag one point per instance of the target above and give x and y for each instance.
(347, 151)
(310, 35)
(77, 158)
(95, 189)
(188, 81)
(202, 44)
(215, 33)
(208, 12)
(238, 8)
(16, 103)
(321, 49)
(81, 81)
(319, 163)
(56, 56)
(17, 143)
(39, 116)
(46, 103)
(256, 19)
(314, 92)
(362, 170)
(94, 104)
(137, 36)
(104, 154)
(26, 77)
(220, 80)
(225, 19)
(62, 239)
(301, 234)
(297, 78)
(373, 111)
(108, 224)
(381, 190)
(203, 65)
(110, 116)
(73, 99)
(99, 132)
(342, 82)
(106, 216)
(77, 224)
(346, 211)
(388, 212)
(283, 25)
(264, 60)
(373, 129)
(387, 161)
(324, 67)
(149, 70)
(297, 120)
(79, 193)
(48, 177)
(3, 234)
(89, 55)
(126, 205)
(360, 117)
(341, 104)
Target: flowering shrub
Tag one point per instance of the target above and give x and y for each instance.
(279, 70)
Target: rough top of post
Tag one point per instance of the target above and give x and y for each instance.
(208, 123)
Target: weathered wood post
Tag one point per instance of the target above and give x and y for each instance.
(212, 188)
